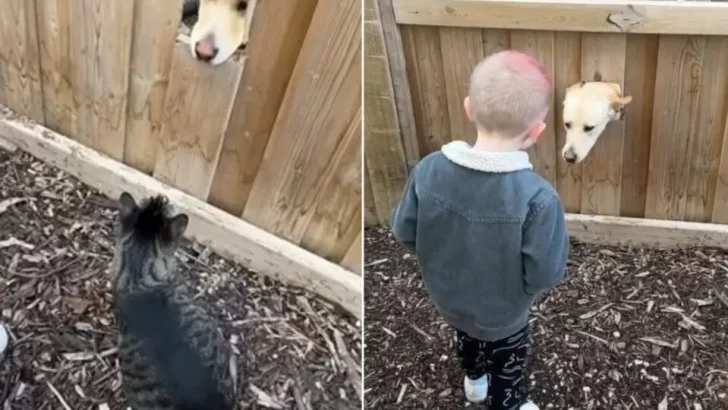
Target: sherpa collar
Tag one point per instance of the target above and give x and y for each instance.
(464, 155)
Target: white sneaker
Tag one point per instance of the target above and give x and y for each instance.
(528, 406)
(476, 391)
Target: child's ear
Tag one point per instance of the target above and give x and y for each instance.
(176, 227)
(127, 205)
(535, 131)
(468, 108)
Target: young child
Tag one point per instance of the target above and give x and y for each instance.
(488, 232)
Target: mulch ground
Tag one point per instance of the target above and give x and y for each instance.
(293, 351)
(628, 328)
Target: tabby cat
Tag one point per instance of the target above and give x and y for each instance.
(173, 356)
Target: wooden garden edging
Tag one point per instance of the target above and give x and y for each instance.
(224, 233)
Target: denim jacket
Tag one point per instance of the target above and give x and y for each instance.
(489, 235)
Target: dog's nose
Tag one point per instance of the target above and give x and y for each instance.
(570, 157)
(205, 50)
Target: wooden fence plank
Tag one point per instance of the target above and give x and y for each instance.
(423, 54)
(100, 45)
(196, 112)
(567, 71)
(609, 16)
(709, 124)
(462, 50)
(400, 82)
(277, 33)
(540, 45)
(385, 154)
(371, 217)
(604, 55)
(675, 108)
(54, 32)
(720, 203)
(20, 76)
(639, 82)
(153, 41)
(337, 219)
(495, 40)
(354, 257)
(323, 96)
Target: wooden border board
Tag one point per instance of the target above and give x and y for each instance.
(226, 234)
(615, 230)
(608, 16)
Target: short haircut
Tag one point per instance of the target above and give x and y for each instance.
(509, 92)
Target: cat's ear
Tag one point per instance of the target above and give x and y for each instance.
(176, 227)
(127, 205)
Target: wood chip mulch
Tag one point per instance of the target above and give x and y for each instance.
(628, 328)
(293, 351)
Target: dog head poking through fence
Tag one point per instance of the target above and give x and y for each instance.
(222, 27)
(589, 107)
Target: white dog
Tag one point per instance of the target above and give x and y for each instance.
(589, 106)
(222, 27)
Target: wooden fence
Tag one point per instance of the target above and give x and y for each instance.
(272, 136)
(668, 159)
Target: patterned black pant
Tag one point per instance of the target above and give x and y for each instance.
(504, 360)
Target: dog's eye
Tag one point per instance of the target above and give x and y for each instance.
(588, 128)
(567, 125)
(241, 6)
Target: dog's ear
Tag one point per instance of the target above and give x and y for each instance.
(575, 86)
(618, 101)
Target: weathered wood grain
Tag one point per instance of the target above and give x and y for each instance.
(277, 33)
(679, 61)
(20, 75)
(100, 52)
(153, 45)
(196, 113)
(309, 134)
(602, 169)
(385, 154)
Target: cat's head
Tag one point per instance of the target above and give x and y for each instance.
(147, 236)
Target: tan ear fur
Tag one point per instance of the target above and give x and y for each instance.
(617, 101)
(575, 86)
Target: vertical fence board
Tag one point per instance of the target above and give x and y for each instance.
(54, 33)
(462, 50)
(567, 71)
(371, 216)
(676, 101)
(602, 169)
(276, 37)
(337, 219)
(323, 97)
(400, 82)
(709, 123)
(153, 43)
(385, 154)
(639, 82)
(540, 45)
(100, 46)
(20, 76)
(196, 112)
(495, 40)
(354, 256)
(427, 83)
(720, 203)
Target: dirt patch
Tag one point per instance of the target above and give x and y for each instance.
(628, 328)
(293, 351)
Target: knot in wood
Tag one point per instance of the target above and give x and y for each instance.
(626, 19)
